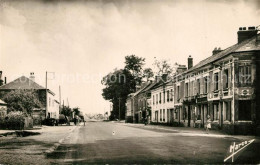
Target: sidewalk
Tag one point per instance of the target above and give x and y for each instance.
(185, 131)
(37, 129)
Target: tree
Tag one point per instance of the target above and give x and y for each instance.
(118, 85)
(164, 67)
(22, 100)
(148, 73)
(65, 110)
(76, 111)
(121, 82)
(134, 65)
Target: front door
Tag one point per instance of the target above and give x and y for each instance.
(156, 116)
(189, 115)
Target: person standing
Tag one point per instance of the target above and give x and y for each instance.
(208, 124)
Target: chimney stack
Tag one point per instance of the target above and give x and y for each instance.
(5, 80)
(181, 68)
(157, 78)
(190, 62)
(1, 81)
(216, 51)
(32, 77)
(164, 77)
(244, 34)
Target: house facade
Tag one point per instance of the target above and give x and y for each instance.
(50, 106)
(224, 87)
(138, 104)
(163, 103)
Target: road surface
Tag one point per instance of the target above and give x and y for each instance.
(106, 142)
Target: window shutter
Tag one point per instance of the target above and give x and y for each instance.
(229, 78)
(195, 87)
(202, 85)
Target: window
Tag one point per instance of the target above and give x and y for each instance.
(160, 115)
(168, 95)
(215, 81)
(245, 75)
(215, 112)
(178, 92)
(244, 110)
(206, 84)
(160, 101)
(163, 114)
(49, 101)
(227, 111)
(198, 86)
(199, 112)
(156, 98)
(186, 90)
(191, 88)
(171, 96)
(225, 79)
(163, 96)
(153, 99)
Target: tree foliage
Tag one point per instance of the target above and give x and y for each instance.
(22, 100)
(163, 67)
(76, 111)
(121, 82)
(67, 111)
(148, 73)
(134, 65)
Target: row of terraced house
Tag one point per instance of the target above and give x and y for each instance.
(223, 87)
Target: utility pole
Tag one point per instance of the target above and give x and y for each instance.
(119, 107)
(46, 86)
(60, 98)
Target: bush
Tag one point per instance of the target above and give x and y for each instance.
(14, 120)
(37, 121)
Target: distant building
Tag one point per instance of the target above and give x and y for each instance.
(46, 97)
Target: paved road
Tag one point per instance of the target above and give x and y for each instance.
(105, 142)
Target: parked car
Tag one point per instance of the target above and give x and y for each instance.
(50, 122)
(64, 119)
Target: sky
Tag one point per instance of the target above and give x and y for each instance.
(79, 42)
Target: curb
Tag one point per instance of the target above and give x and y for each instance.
(7, 133)
(56, 145)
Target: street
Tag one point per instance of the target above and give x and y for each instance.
(106, 142)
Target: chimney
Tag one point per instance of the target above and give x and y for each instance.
(5, 80)
(32, 77)
(1, 81)
(181, 68)
(157, 78)
(216, 51)
(190, 62)
(164, 77)
(244, 34)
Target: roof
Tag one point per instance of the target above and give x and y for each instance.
(2, 102)
(158, 85)
(23, 83)
(140, 90)
(149, 87)
(244, 46)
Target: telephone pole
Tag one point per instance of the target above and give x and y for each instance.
(119, 107)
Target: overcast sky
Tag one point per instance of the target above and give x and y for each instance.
(90, 38)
